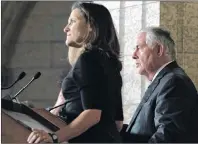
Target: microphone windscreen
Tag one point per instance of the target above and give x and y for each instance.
(37, 75)
(22, 75)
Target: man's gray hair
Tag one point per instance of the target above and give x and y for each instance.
(162, 36)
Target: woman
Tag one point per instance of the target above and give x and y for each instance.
(92, 88)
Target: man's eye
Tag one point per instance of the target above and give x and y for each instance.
(137, 47)
(134, 48)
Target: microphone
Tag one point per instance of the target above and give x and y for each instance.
(36, 76)
(21, 76)
(49, 109)
(67, 101)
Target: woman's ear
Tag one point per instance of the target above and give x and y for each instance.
(89, 28)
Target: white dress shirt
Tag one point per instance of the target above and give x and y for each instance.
(160, 69)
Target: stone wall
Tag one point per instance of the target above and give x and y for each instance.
(181, 18)
(40, 46)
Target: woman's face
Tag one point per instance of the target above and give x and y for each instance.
(77, 30)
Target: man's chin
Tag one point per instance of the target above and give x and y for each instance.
(140, 71)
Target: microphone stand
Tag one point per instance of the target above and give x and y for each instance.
(14, 97)
(72, 99)
(4, 88)
(37, 75)
(21, 76)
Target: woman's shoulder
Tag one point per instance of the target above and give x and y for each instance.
(93, 53)
(88, 58)
(98, 56)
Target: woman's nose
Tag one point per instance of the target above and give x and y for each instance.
(66, 29)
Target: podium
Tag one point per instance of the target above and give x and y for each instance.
(18, 119)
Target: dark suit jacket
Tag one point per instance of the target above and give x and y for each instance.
(168, 112)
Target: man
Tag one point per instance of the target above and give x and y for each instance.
(168, 111)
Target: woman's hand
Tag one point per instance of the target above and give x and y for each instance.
(59, 101)
(119, 125)
(55, 112)
(38, 136)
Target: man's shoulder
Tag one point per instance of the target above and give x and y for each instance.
(176, 74)
(176, 78)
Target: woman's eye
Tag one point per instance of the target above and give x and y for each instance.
(71, 21)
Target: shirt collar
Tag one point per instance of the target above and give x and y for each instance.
(160, 69)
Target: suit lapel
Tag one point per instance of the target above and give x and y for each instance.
(146, 96)
(149, 91)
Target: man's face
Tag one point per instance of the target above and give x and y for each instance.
(77, 29)
(144, 56)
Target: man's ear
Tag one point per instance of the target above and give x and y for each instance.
(160, 49)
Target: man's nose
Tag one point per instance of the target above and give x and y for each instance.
(134, 54)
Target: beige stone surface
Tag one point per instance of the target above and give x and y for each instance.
(181, 18)
(180, 59)
(190, 13)
(192, 72)
(191, 61)
(190, 39)
(168, 13)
